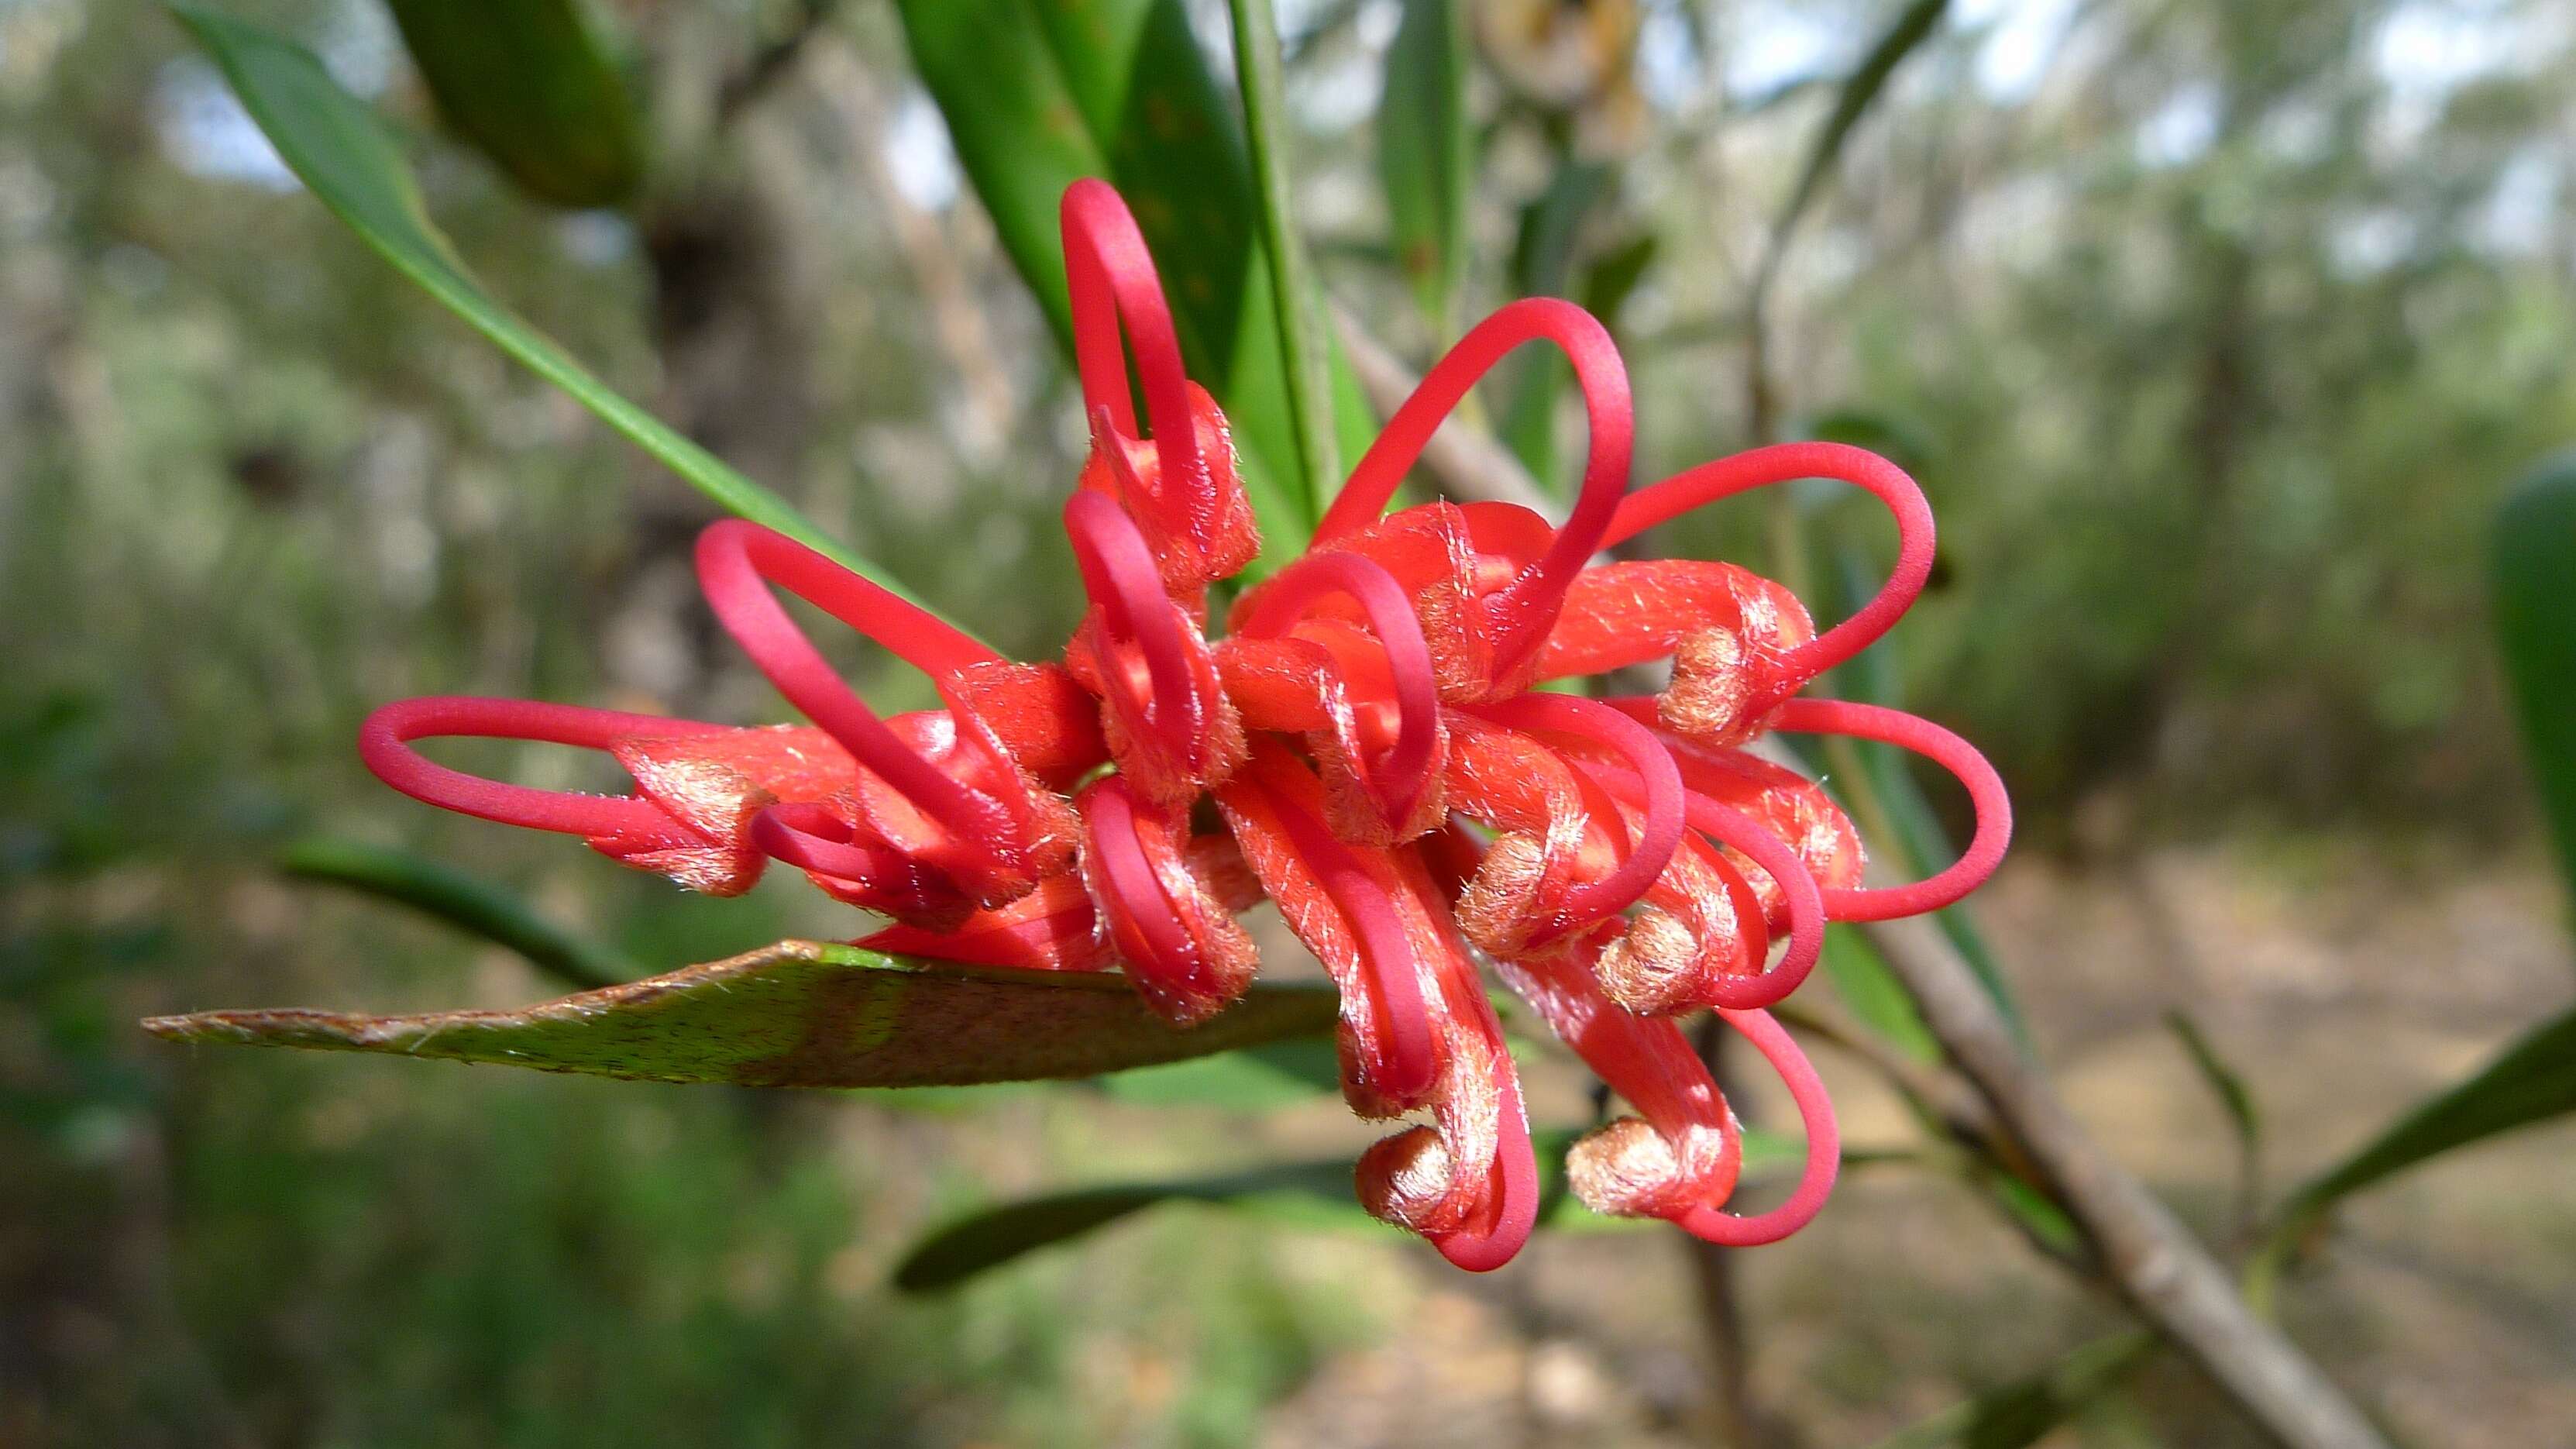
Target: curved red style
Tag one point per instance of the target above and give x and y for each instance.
(1364, 746)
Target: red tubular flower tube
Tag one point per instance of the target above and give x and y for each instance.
(1780, 463)
(737, 561)
(1175, 716)
(1824, 1145)
(1661, 791)
(1523, 609)
(1342, 913)
(1804, 901)
(1052, 928)
(1687, 1150)
(1397, 778)
(384, 744)
(1187, 955)
(1986, 795)
(1112, 282)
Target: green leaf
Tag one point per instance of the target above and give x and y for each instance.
(2535, 610)
(1543, 251)
(1913, 25)
(1303, 349)
(1037, 96)
(1256, 1079)
(1311, 1195)
(1873, 995)
(1426, 152)
(2233, 1095)
(2023, 1413)
(476, 907)
(351, 162)
(2529, 1082)
(527, 84)
(799, 1014)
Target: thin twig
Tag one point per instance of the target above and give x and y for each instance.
(771, 63)
(2166, 1275)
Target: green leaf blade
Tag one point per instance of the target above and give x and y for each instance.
(1039, 96)
(347, 157)
(801, 1014)
(527, 83)
(2534, 563)
(1426, 152)
(474, 906)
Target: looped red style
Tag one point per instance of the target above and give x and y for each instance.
(1597, 724)
(1113, 285)
(1659, 503)
(1524, 608)
(1154, 671)
(1824, 1144)
(1986, 794)
(1398, 777)
(738, 561)
(384, 745)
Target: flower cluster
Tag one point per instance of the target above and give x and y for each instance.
(1365, 744)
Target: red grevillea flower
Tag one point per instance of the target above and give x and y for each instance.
(1363, 745)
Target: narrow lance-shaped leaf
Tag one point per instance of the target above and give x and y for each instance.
(474, 906)
(1310, 1194)
(1913, 25)
(800, 1014)
(348, 158)
(1303, 349)
(2535, 612)
(2531, 1081)
(2023, 1413)
(2236, 1098)
(1426, 152)
(528, 84)
(1037, 96)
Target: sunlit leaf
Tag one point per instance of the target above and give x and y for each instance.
(1426, 151)
(1309, 1195)
(474, 906)
(2023, 1413)
(800, 1014)
(527, 84)
(351, 162)
(2535, 608)
(1261, 80)
(1037, 96)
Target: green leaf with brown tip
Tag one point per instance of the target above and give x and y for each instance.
(802, 1014)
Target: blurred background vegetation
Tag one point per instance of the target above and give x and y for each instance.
(2214, 330)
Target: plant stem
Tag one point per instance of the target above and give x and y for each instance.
(1302, 348)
